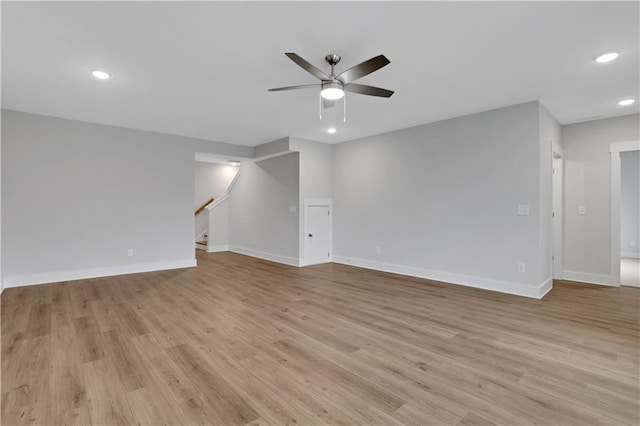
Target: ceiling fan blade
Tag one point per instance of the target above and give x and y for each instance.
(364, 68)
(328, 103)
(311, 69)
(368, 90)
(300, 86)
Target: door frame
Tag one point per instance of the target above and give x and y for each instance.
(310, 202)
(616, 193)
(557, 224)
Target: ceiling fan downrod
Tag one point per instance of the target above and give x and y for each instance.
(333, 60)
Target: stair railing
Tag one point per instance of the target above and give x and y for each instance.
(204, 206)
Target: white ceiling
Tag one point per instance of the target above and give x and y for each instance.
(203, 69)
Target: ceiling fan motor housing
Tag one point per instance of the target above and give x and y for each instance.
(332, 59)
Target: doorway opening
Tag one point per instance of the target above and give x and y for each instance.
(630, 218)
(214, 178)
(625, 226)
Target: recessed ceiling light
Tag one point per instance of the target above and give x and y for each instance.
(331, 130)
(233, 162)
(100, 75)
(606, 57)
(627, 102)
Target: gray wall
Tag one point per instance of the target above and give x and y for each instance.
(1, 280)
(316, 168)
(211, 181)
(442, 198)
(316, 177)
(261, 223)
(630, 204)
(587, 182)
(76, 196)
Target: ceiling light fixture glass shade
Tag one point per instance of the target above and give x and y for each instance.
(100, 75)
(332, 91)
(606, 57)
(331, 130)
(627, 102)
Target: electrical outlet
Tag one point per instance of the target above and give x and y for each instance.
(582, 210)
(129, 252)
(377, 250)
(523, 209)
(255, 242)
(521, 268)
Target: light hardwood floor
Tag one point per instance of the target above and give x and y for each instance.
(244, 341)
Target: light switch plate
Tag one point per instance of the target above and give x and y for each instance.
(523, 209)
(292, 209)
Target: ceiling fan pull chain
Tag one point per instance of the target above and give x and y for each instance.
(344, 110)
(320, 106)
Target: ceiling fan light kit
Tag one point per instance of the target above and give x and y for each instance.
(332, 91)
(332, 86)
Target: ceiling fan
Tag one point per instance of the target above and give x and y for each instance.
(333, 86)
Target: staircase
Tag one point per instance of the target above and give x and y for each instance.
(216, 235)
(203, 242)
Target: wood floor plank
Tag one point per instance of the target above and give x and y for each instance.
(105, 394)
(149, 407)
(226, 404)
(67, 386)
(132, 371)
(90, 343)
(39, 320)
(246, 341)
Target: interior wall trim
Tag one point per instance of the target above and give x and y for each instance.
(292, 261)
(584, 277)
(82, 274)
(536, 292)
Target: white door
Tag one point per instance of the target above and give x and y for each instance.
(317, 234)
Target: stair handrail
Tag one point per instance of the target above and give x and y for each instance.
(204, 206)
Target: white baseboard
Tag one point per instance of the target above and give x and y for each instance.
(81, 274)
(545, 287)
(587, 278)
(630, 254)
(535, 292)
(215, 249)
(266, 256)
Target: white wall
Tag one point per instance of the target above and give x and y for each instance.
(211, 181)
(440, 200)
(550, 135)
(219, 227)
(630, 204)
(261, 224)
(587, 238)
(76, 196)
